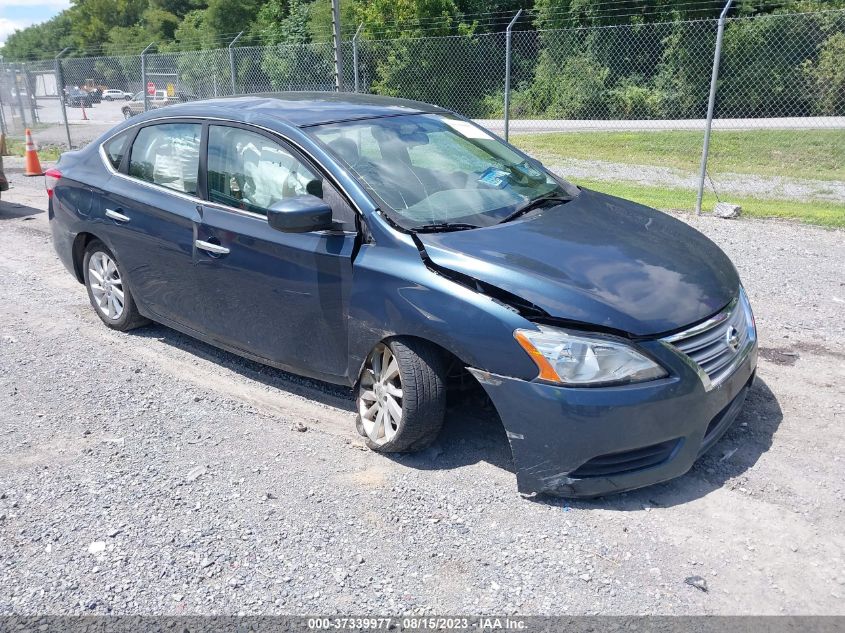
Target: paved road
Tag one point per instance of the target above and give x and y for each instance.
(149, 473)
(530, 126)
(104, 115)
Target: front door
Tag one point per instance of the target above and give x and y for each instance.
(280, 296)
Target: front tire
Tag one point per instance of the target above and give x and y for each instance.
(108, 291)
(401, 396)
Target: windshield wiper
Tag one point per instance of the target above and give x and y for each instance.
(536, 202)
(439, 227)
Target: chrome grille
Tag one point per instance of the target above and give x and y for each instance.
(720, 343)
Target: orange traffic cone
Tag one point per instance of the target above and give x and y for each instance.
(32, 166)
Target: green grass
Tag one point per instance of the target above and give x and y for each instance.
(48, 152)
(817, 154)
(829, 214)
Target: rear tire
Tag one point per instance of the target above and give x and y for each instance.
(401, 396)
(108, 290)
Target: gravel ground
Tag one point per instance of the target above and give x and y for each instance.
(147, 473)
(776, 187)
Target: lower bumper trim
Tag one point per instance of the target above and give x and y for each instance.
(579, 442)
(613, 464)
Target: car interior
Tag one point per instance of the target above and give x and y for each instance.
(251, 172)
(167, 155)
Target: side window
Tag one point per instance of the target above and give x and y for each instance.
(167, 154)
(115, 148)
(249, 171)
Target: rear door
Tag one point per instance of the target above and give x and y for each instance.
(149, 209)
(280, 296)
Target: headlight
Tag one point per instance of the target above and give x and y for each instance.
(585, 361)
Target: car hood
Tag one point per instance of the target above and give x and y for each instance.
(597, 260)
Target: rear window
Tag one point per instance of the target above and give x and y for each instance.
(168, 155)
(115, 148)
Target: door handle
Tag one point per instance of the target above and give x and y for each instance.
(117, 215)
(211, 248)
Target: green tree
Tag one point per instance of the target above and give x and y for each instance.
(682, 80)
(390, 19)
(41, 40)
(761, 74)
(827, 76)
(293, 62)
(320, 19)
(94, 19)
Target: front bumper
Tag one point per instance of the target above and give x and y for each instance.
(587, 442)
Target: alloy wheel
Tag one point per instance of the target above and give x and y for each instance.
(106, 285)
(380, 396)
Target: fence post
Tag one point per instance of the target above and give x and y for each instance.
(338, 64)
(508, 34)
(30, 94)
(17, 84)
(3, 129)
(144, 75)
(232, 62)
(711, 103)
(355, 55)
(60, 89)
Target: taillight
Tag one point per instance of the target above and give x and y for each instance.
(51, 177)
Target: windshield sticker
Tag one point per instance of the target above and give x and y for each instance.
(467, 129)
(494, 177)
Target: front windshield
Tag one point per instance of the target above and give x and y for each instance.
(433, 171)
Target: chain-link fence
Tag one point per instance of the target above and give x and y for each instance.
(581, 98)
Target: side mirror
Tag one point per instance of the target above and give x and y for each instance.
(300, 215)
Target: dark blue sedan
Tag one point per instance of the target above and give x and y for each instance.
(386, 244)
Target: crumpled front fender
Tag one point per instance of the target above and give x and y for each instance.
(650, 431)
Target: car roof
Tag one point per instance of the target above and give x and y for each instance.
(303, 109)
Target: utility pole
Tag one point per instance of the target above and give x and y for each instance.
(338, 62)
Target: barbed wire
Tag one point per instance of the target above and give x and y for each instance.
(485, 22)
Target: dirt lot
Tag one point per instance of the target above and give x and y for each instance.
(149, 473)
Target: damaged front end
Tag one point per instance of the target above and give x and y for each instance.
(618, 432)
(588, 442)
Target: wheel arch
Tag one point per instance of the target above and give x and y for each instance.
(450, 359)
(80, 244)
(397, 296)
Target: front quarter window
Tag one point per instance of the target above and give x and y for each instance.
(248, 171)
(115, 148)
(429, 170)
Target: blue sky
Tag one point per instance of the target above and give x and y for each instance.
(17, 14)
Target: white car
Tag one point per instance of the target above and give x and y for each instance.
(116, 95)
